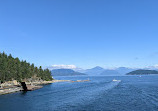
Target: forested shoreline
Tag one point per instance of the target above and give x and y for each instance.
(142, 72)
(14, 69)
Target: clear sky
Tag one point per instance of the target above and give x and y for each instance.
(86, 33)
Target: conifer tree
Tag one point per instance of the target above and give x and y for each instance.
(14, 69)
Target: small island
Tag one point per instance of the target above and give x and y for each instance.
(142, 72)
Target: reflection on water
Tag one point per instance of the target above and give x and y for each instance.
(23, 93)
(132, 93)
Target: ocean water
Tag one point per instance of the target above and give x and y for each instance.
(132, 93)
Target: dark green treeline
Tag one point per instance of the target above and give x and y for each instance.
(14, 69)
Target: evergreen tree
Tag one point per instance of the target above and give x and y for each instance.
(14, 69)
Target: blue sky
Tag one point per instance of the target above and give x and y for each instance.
(86, 33)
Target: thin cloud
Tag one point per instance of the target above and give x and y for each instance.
(62, 66)
(136, 58)
(155, 54)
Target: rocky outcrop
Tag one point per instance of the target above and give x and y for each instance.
(14, 86)
(9, 84)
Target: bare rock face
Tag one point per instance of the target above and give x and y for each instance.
(10, 83)
(15, 82)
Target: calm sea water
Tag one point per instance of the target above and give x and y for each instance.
(133, 93)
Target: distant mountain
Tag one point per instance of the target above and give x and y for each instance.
(94, 71)
(142, 72)
(65, 72)
(154, 67)
(79, 70)
(109, 72)
(101, 71)
(124, 70)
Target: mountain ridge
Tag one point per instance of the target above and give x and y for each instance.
(65, 72)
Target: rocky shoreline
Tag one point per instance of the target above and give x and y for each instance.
(14, 86)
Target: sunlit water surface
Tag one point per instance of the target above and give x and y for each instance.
(132, 93)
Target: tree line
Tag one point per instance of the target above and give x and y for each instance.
(142, 72)
(13, 69)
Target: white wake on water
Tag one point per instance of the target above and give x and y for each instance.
(90, 94)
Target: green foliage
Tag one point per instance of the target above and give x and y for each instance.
(14, 69)
(142, 72)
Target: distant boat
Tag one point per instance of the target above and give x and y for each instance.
(114, 80)
(140, 76)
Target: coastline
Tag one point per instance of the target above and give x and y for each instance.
(30, 85)
(16, 87)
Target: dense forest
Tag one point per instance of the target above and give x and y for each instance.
(14, 69)
(142, 72)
